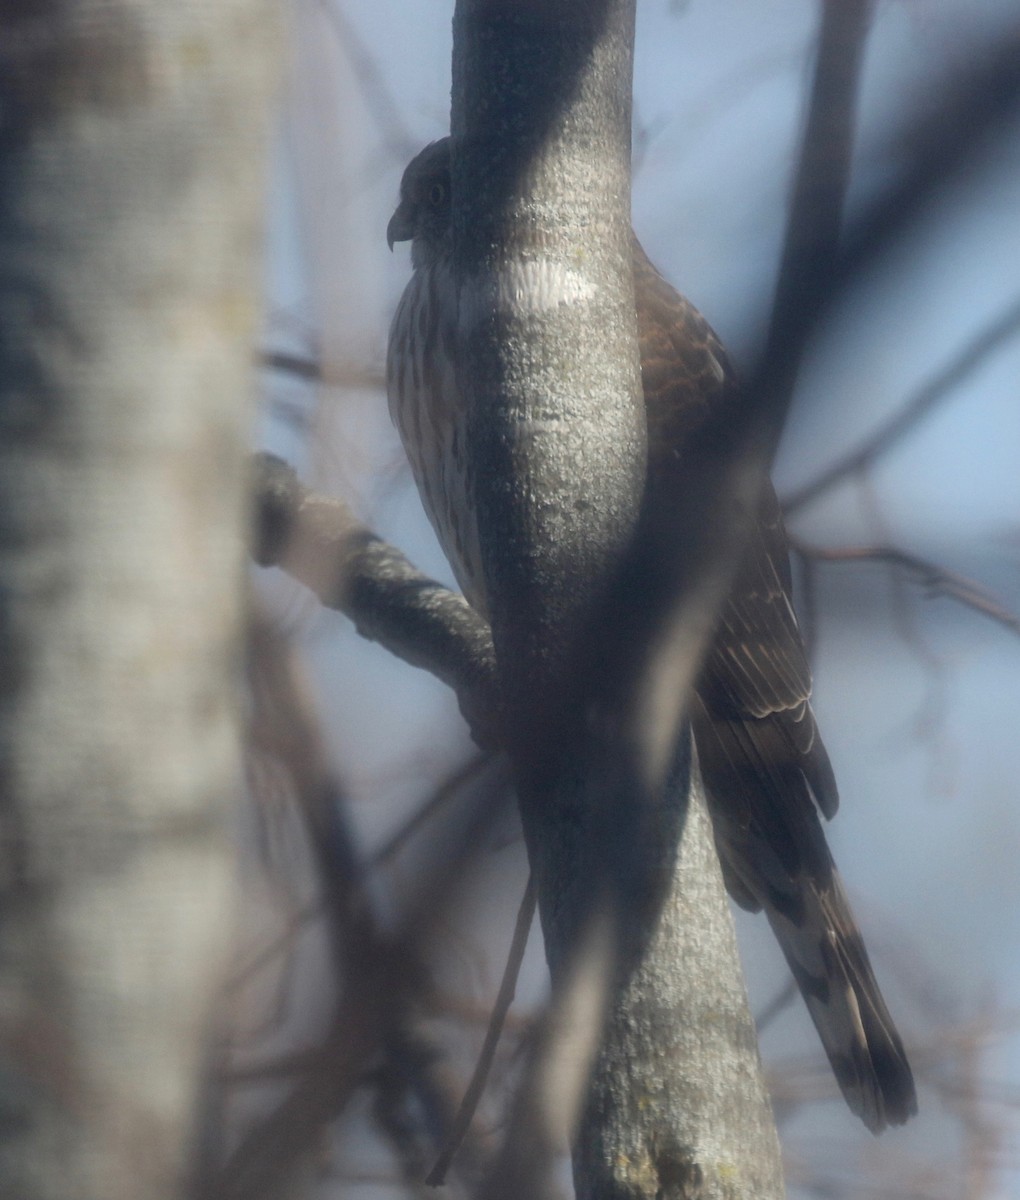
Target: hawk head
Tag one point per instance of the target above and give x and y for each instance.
(423, 214)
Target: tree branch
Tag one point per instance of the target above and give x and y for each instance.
(310, 370)
(936, 580)
(896, 428)
(317, 540)
(480, 1075)
(382, 971)
(937, 146)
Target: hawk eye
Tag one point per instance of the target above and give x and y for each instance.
(437, 194)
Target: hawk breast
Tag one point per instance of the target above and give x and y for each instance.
(431, 416)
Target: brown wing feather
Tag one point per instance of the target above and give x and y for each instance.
(765, 769)
(756, 666)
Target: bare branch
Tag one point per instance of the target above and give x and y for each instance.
(687, 552)
(504, 998)
(936, 580)
(816, 211)
(383, 972)
(551, 1096)
(938, 145)
(318, 541)
(896, 428)
(348, 374)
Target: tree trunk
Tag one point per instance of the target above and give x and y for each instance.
(131, 163)
(677, 1106)
(625, 867)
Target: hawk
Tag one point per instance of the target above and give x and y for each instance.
(765, 769)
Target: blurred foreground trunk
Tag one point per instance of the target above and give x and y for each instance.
(131, 183)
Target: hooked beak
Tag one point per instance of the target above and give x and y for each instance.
(399, 229)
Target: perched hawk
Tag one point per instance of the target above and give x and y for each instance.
(765, 769)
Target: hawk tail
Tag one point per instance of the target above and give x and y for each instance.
(762, 777)
(826, 955)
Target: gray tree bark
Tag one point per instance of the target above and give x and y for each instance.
(131, 162)
(635, 919)
(677, 1106)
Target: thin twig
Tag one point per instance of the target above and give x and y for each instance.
(291, 364)
(446, 791)
(263, 957)
(311, 370)
(935, 579)
(383, 969)
(782, 1000)
(895, 429)
(507, 988)
(928, 725)
(807, 271)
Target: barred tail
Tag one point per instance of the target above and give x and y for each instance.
(826, 954)
(761, 782)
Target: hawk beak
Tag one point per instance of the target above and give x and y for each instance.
(399, 229)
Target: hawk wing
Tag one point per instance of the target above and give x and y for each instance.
(765, 769)
(756, 668)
